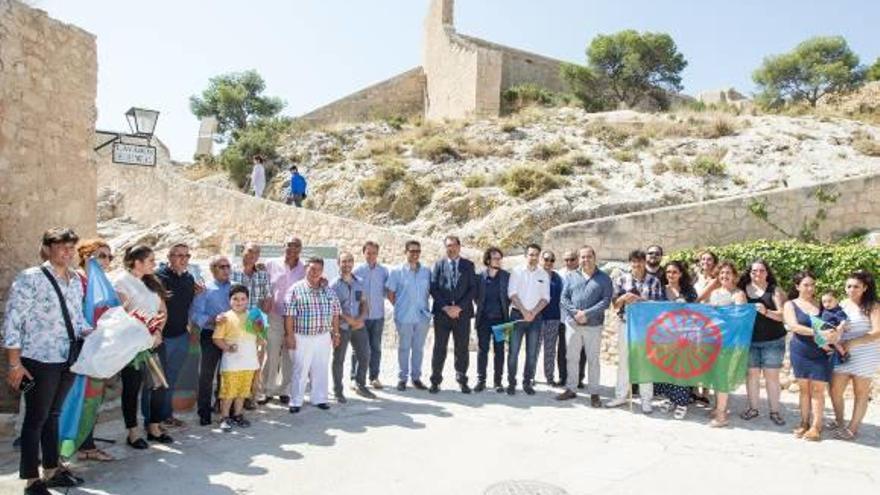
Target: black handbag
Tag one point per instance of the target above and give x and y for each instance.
(75, 343)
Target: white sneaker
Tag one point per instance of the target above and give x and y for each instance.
(647, 408)
(680, 412)
(616, 402)
(666, 406)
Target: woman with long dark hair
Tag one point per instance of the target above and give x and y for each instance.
(862, 341)
(812, 368)
(768, 338)
(141, 291)
(677, 287)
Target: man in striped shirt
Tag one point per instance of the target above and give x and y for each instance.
(311, 330)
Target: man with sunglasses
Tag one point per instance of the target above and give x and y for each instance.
(571, 265)
(206, 307)
(181, 288)
(282, 275)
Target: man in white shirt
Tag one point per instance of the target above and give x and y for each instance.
(258, 177)
(529, 292)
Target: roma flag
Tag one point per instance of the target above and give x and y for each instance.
(689, 344)
(80, 409)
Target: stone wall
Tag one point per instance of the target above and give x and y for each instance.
(522, 67)
(151, 195)
(401, 96)
(48, 83)
(724, 221)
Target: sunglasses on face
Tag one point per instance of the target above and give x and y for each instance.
(550, 260)
(104, 256)
(569, 260)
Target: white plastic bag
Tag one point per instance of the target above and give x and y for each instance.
(117, 338)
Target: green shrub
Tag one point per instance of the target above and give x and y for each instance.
(259, 138)
(719, 127)
(624, 155)
(641, 142)
(409, 200)
(560, 166)
(474, 180)
(529, 181)
(396, 122)
(831, 263)
(385, 175)
(708, 166)
(580, 160)
(436, 149)
(678, 165)
(523, 95)
(547, 151)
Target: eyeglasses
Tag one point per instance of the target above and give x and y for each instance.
(570, 259)
(104, 256)
(414, 251)
(551, 260)
(223, 267)
(496, 258)
(178, 255)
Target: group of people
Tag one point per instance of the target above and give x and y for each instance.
(313, 321)
(296, 193)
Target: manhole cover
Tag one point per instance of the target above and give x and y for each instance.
(524, 487)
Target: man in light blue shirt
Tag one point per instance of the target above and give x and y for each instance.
(374, 276)
(207, 305)
(408, 290)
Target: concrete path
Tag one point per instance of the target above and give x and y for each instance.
(450, 443)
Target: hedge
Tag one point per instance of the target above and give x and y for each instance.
(831, 263)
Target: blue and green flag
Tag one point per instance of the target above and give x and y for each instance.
(689, 344)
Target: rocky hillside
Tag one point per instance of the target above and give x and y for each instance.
(505, 181)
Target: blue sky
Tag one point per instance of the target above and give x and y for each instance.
(157, 53)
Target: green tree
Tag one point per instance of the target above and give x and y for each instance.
(587, 86)
(873, 72)
(633, 66)
(817, 66)
(236, 100)
(261, 137)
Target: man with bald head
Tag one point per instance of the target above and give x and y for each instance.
(206, 307)
(282, 275)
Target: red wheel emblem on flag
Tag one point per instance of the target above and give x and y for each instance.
(683, 343)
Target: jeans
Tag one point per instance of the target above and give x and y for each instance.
(460, 329)
(547, 340)
(172, 355)
(42, 408)
(530, 331)
(485, 339)
(360, 355)
(208, 365)
(410, 349)
(373, 331)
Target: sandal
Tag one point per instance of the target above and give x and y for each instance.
(716, 423)
(845, 434)
(800, 430)
(813, 435)
(749, 414)
(832, 425)
(95, 455)
(777, 418)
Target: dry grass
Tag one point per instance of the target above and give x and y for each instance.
(530, 181)
(547, 151)
(865, 144)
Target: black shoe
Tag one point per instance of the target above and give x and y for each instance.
(293, 409)
(249, 405)
(401, 385)
(240, 421)
(162, 438)
(263, 401)
(511, 389)
(139, 444)
(528, 390)
(595, 401)
(284, 399)
(323, 406)
(580, 385)
(418, 385)
(37, 488)
(481, 385)
(435, 388)
(16, 444)
(203, 421)
(340, 397)
(365, 392)
(499, 388)
(465, 389)
(63, 479)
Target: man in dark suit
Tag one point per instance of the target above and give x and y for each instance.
(493, 306)
(453, 288)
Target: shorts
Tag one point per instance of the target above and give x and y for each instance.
(767, 355)
(236, 384)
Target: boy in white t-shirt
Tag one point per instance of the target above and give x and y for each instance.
(238, 341)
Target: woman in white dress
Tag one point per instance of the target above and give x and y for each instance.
(862, 340)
